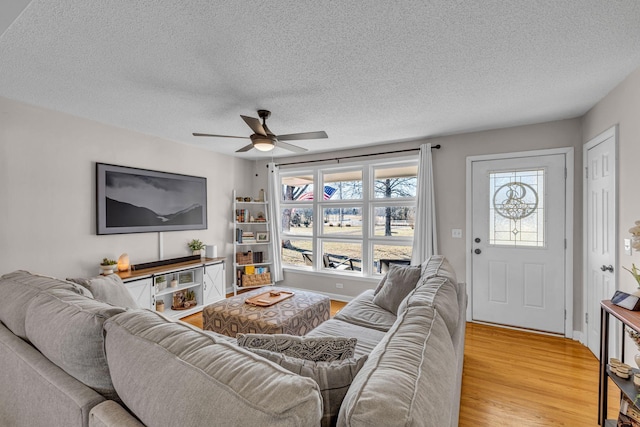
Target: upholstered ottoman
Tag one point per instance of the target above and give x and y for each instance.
(295, 316)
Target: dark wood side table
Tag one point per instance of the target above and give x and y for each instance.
(627, 318)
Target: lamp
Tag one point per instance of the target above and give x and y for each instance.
(123, 263)
(263, 143)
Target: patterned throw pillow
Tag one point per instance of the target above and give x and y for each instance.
(316, 349)
(333, 378)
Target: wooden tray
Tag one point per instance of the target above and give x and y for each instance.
(267, 299)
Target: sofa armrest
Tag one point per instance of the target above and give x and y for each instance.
(110, 414)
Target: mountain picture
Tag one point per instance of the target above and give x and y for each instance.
(138, 200)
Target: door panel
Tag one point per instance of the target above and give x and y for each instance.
(600, 238)
(518, 226)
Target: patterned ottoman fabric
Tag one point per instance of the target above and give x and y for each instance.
(295, 316)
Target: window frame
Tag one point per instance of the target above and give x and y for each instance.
(367, 204)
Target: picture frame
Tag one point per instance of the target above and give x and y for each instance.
(134, 200)
(262, 237)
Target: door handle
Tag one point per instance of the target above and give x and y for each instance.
(477, 251)
(605, 268)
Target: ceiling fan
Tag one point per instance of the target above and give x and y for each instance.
(265, 140)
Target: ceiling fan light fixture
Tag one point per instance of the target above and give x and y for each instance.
(263, 144)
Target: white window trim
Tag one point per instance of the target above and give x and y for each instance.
(367, 203)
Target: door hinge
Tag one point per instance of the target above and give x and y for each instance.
(586, 172)
(565, 315)
(586, 318)
(565, 243)
(565, 173)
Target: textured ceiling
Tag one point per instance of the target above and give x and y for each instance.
(365, 72)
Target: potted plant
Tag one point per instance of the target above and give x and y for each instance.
(108, 265)
(161, 283)
(197, 247)
(190, 299)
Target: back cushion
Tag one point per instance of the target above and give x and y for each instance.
(18, 289)
(213, 377)
(67, 329)
(440, 293)
(438, 266)
(408, 378)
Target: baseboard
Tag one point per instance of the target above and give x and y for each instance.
(578, 336)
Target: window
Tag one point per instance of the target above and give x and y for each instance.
(363, 221)
(516, 211)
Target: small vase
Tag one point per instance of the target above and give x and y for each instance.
(637, 359)
(108, 269)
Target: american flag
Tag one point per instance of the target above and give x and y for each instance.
(327, 193)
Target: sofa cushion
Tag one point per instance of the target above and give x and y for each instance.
(438, 266)
(440, 293)
(18, 289)
(399, 282)
(367, 338)
(316, 349)
(333, 378)
(409, 378)
(213, 378)
(110, 289)
(35, 392)
(362, 311)
(67, 329)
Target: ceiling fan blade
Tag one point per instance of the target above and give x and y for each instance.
(245, 148)
(291, 147)
(219, 136)
(304, 135)
(255, 125)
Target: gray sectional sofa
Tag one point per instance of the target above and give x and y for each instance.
(70, 360)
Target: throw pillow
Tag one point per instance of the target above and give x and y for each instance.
(333, 378)
(316, 349)
(380, 284)
(400, 281)
(109, 289)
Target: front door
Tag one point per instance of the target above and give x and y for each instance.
(518, 242)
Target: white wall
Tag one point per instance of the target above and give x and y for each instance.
(450, 186)
(621, 107)
(47, 191)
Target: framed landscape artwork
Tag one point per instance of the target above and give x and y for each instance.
(132, 200)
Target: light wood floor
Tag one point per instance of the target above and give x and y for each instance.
(516, 378)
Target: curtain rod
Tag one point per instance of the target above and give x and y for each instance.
(337, 159)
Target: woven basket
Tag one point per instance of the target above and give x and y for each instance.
(244, 258)
(256, 279)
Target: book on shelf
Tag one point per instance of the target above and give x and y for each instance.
(242, 215)
(249, 269)
(245, 236)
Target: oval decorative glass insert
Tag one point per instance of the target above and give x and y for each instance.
(515, 200)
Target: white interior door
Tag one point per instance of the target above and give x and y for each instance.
(518, 247)
(600, 236)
